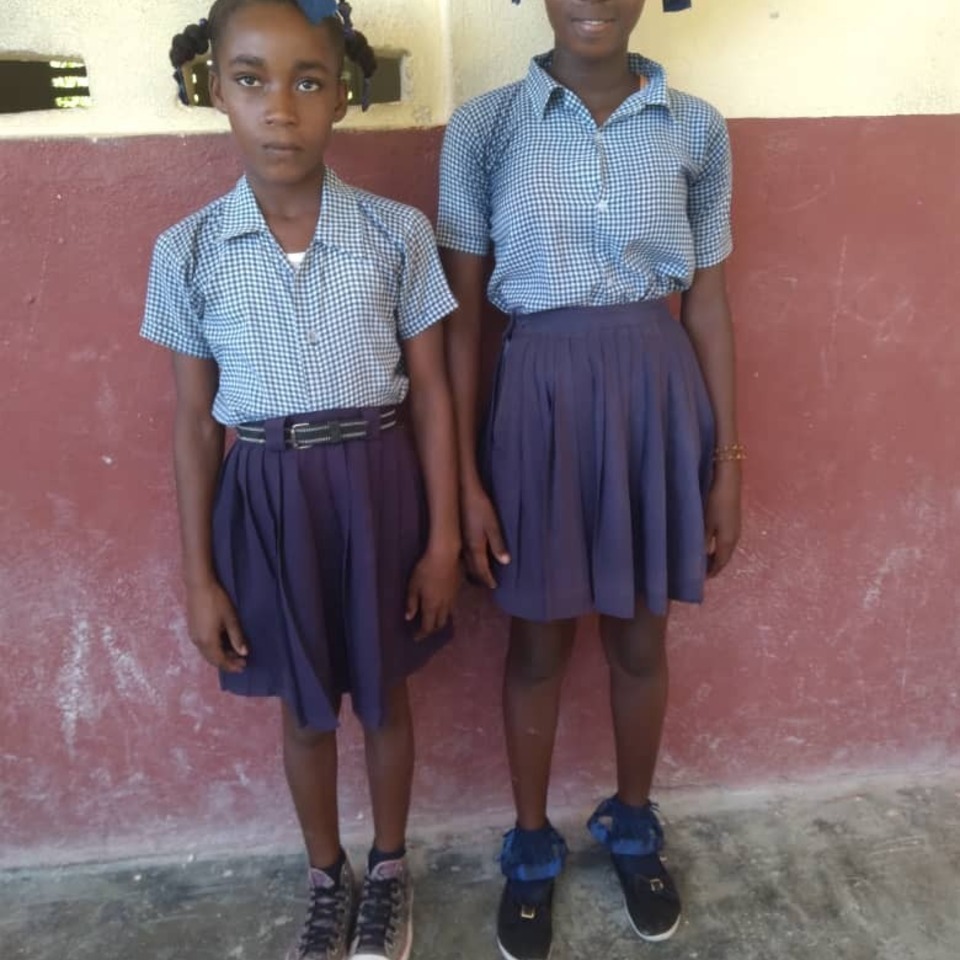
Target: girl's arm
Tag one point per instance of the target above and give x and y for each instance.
(198, 443)
(481, 529)
(436, 579)
(706, 316)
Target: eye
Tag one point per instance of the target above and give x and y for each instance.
(247, 80)
(309, 85)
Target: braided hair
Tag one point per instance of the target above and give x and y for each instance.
(198, 38)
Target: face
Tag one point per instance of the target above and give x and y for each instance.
(277, 77)
(593, 29)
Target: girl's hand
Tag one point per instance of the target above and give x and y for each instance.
(723, 517)
(433, 590)
(482, 536)
(214, 627)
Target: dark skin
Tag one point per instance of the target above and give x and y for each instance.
(590, 58)
(277, 77)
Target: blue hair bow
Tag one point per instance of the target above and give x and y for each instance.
(669, 6)
(317, 10)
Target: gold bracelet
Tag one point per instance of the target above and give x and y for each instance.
(731, 453)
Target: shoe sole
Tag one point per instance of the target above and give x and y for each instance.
(507, 955)
(407, 947)
(652, 937)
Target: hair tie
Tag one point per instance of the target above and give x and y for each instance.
(346, 15)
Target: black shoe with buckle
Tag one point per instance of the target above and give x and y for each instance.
(525, 920)
(530, 860)
(634, 837)
(649, 894)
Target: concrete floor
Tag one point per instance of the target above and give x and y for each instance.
(866, 871)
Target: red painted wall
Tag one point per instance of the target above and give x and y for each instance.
(832, 645)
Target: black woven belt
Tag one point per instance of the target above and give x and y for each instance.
(299, 436)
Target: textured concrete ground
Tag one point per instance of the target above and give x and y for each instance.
(854, 872)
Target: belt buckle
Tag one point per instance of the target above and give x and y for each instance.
(296, 444)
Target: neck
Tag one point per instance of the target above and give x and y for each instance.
(289, 201)
(595, 81)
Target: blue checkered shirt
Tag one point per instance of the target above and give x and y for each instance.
(323, 336)
(581, 215)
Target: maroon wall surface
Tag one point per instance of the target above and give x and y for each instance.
(830, 646)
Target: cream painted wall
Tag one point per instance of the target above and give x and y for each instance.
(753, 58)
(125, 44)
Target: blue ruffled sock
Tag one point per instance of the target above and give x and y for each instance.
(531, 860)
(634, 836)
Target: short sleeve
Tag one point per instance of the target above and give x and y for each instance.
(463, 222)
(171, 318)
(425, 297)
(709, 200)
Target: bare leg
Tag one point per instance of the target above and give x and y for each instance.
(310, 763)
(390, 755)
(536, 663)
(639, 679)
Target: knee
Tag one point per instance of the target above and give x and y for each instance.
(641, 655)
(396, 712)
(534, 660)
(304, 738)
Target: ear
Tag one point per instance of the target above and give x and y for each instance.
(342, 103)
(216, 90)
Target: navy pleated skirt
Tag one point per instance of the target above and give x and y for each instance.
(598, 455)
(315, 548)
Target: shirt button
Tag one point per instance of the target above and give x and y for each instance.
(602, 206)
(312, 337)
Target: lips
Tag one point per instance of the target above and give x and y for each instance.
(592, 26)
(281, 148)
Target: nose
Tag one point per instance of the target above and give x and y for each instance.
(281, 108)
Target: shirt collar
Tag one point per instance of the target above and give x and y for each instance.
(339, 226)
(544, 90)
(341, 219)
(242, 213)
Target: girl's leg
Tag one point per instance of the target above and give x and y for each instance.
(627, 823)
(536, 663)
(636, 653)
(390, 755)
(310, 763)
(383, 927)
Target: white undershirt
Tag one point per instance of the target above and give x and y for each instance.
(296, 258)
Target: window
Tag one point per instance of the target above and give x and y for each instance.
(43, 84)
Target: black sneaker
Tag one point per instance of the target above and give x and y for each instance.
(649, 894)
(384, 928)
(525, 920)
(327, 925)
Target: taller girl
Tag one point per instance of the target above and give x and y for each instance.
(612, 455)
